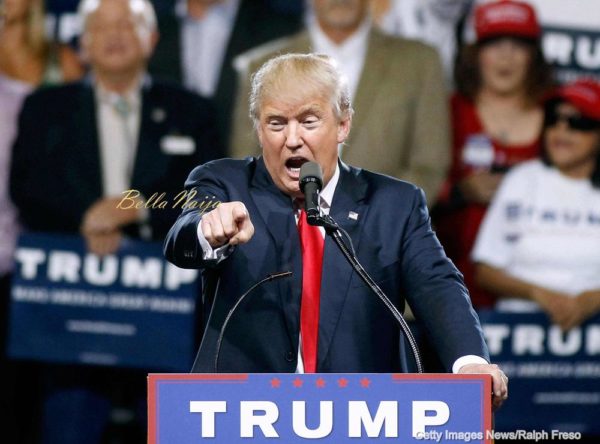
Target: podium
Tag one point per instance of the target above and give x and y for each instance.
(325, 407)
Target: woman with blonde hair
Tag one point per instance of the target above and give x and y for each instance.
(27, 60)
(26, 55)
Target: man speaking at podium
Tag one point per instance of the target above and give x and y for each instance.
(323, 318)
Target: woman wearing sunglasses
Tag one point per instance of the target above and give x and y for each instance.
(539, 244)
(496, 120)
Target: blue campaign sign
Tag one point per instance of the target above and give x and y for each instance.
(554, 376)
(129, 309)
(330, 408)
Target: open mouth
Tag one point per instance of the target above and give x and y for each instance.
(293, 165)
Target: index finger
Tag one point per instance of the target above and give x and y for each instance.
(245, 233)
(239, 214)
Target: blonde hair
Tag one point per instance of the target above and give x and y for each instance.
(316, 74)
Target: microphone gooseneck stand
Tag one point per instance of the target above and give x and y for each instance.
(337, 233)
(269, 278)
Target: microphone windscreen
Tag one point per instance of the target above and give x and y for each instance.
(311, 172)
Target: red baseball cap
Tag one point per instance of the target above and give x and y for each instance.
(584, 94)
(506, 18)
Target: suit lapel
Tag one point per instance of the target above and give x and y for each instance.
(372, 76)
(148, 156)
(275, 210)
(349, 211)
(88, 179)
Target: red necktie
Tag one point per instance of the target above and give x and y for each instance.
(313, 244)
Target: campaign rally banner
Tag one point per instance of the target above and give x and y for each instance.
(326, 408)
(573, 53)
(570, 36)
(129, 309)
(554, 376)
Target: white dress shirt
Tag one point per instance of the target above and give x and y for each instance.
(118, 122)
(204, 44)
(118, 119)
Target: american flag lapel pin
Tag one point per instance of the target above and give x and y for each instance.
(352, 215)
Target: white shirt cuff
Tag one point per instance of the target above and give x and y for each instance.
(208, 253)
(468, 359)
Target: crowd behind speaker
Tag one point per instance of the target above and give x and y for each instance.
(456, 97)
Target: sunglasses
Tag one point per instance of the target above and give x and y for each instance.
(578, 123)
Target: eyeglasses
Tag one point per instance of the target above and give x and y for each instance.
(578, 123)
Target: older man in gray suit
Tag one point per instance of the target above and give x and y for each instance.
(401, 128)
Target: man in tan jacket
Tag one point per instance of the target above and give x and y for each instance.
(397, 85)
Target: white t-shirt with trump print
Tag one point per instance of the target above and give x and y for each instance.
(544, 228)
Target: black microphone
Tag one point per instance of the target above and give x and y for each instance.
(269, 278)
(311, 183)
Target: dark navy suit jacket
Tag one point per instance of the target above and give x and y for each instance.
(394, 241)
